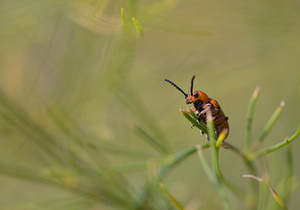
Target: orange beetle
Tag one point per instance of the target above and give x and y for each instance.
(202, 104)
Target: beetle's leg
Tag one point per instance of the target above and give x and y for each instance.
(206, 108)
(214, 112)
(202, 114)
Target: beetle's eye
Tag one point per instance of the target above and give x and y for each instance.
(196, 95)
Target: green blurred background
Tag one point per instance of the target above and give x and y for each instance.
(79, 90)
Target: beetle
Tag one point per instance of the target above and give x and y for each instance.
(203, 103)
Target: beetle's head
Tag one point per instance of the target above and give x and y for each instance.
(195, 96)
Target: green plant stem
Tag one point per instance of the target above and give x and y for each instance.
(212, 140)
(29, 128)
(215, 158)
(137, 25)
(34, 176)
(288, 185)
(172, 160)
(263, 196)
(157, 145)
(214, 151)
(274, 147)
(123, 17)
(171, 197)
(227, 145)
(273, 192)
(273, 119)
(214, 179)
(236, 190)
(250, 118)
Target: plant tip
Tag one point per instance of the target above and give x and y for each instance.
(252, 177)
(282, 103)
(182, 111)
(256, 91)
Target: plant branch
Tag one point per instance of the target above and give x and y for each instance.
(275, 147)
(191, 117)
(274, 193)
(214, 179)
(172, 160)
(171, 197)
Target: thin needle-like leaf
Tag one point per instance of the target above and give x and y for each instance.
(288, 177)
(192, 119)
(171, 197)
(172, 160)
(276, 146)
(286, 185)
(137, 26)
(123, 16)
(149, 139)
(274, 193)
(250, 118)
(273, 119)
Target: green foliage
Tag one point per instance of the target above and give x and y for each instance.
(249, 156)
(84, 125)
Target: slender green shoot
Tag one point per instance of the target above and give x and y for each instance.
(286, 184)
(192, 113)
(274, 193)
(171, 197)
(214, 151)
(276, 146)
(273, 119)
(150, 140)
(288, 177)
(263, 195)
(214, 179)
(212, 142)
(172, 160)
(190, 116)
(250, 118)
(35, 176)
(137, 26)
(123, 17)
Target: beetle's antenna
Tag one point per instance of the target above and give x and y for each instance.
(192, 84)
(178, 88)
